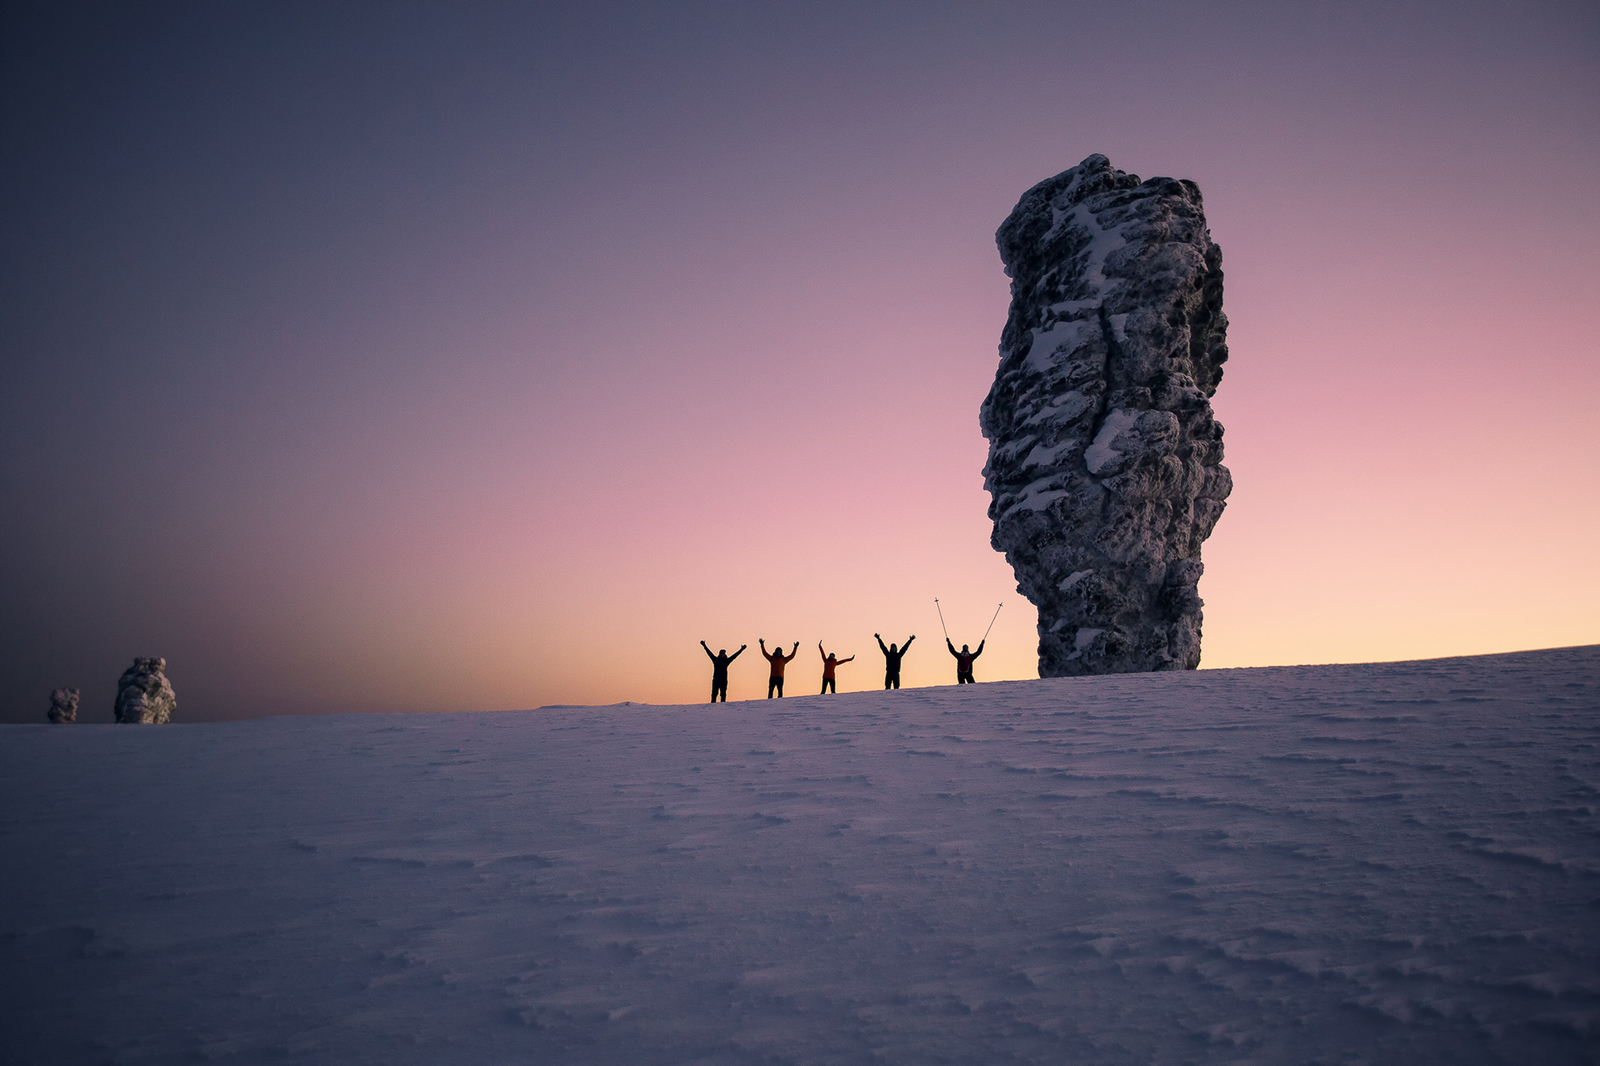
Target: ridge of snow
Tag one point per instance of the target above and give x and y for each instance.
(1072, 579)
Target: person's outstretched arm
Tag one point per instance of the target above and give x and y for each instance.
(843, 661)
(951, 646)
(979, 651)
(763, 643)
(713, 658)
(738, 653)
(881, 645)
(907, 644)
(821, 652)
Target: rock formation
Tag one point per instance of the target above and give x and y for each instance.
(1105, 463)
(64, 705)
(144, 695)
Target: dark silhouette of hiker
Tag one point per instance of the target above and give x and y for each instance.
(778, 660)
(719, 670)
(964, 661)
(891, 660)
(828, 663)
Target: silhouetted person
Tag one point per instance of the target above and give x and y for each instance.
(891, 660)
(719, 670)
(828, 663)
(964, 661)
(777, 659)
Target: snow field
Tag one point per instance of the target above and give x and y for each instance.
(1371, 863)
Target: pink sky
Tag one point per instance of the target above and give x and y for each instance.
(467, 376)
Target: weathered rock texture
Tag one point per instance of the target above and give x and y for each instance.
(1105, 463)
(144, 695)
(64, 705)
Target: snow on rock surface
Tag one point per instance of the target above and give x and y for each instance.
(1104, 457)
(1392, 863)
(63, 706)
(144, 695)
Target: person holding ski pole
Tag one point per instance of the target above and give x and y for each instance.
(891, 660)
(828, 663)
(778, 661)
(964, 661)
(719, 669)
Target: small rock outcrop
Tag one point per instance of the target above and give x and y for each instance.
(1105, 463)
(144, 695)
(64, 706)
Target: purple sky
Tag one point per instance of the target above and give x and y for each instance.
(405, 357)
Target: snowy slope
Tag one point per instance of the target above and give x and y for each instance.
(1378, 863)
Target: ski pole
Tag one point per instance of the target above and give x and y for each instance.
(991, 622)
(941, 617)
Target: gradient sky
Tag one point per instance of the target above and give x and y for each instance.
(406, 357)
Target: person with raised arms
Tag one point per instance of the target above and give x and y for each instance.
(778, 661)
(719, 669)
(891, 660)
(828, 664)
(964, 661)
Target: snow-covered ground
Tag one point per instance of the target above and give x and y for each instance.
(1393, 863)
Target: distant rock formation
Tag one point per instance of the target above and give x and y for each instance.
(64, 706)
(1105, 463)
(144, 695)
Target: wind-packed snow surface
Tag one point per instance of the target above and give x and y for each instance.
(1379, 863)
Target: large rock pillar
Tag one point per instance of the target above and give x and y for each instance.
(1105, 463)
(144, 695)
